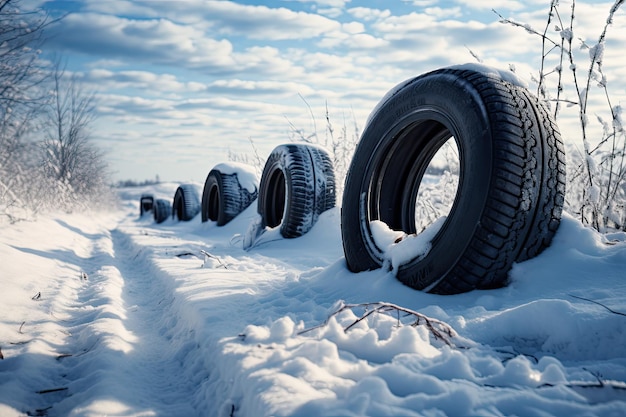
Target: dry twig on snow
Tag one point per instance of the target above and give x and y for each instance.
(208, 255)
(440, 330)
(600, 304)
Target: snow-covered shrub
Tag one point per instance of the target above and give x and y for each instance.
(47, 160)
(339, 142)
(572, 75)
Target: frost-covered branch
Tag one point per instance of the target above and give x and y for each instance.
(597, 191)
(70, 157)
(22, 75)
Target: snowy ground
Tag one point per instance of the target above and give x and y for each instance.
(108, 314)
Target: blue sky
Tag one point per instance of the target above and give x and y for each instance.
(184, 84)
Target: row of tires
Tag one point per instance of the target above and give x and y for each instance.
(506, 208)
(297, 185)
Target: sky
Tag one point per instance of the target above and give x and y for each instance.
(184, 85)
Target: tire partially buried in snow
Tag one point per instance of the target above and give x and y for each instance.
(146, 204)
(161, 210)
(186, 203)
(297, 185)
(511, 181)
(224, 197)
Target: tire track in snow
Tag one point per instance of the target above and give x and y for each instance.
(131, 345)
(163, 341)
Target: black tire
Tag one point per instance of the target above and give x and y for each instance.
(511, 182)
(186, 203)
(297, 185)
(326, 197)
(223, 197)
(162, 210)
(146, 204)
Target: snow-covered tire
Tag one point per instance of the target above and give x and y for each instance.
(297, 185)
(223, 197)
(161, 210)
(186, 203)
(146, 204)
(511, 181)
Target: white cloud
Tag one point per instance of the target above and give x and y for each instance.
(265, 60)
(324, 3)
(400, 25)
(439, 12)
(143, 80)
(332, 12)
(120, 8)
(237, 87)
(353, 27)
(352, 42)
(367, 14)
(184, 75)
(162, 42)
(421, 3)
(111, 36)
(257, 22)
(513, 5)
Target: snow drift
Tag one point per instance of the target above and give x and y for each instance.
(109, 314)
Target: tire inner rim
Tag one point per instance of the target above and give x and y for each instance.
(275, 205)
(214, 203)
(414, 178)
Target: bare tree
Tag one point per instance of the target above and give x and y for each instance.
(21, 34)
(21, 76)
(70, 157)
(44, 116)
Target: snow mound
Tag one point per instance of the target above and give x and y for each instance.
(113, 314)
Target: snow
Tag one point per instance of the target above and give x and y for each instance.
(246, 174)
(111, 314)
(506, 75)
(399, 248)
(596, 53)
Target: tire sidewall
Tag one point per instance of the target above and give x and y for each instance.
(178, 205)
(308, 188)
(206, 191)
(186, 204)
(213, 182)
(161, 210)
(277, 161)
(455, 103)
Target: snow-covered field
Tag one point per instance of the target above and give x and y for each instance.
(108, 314)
